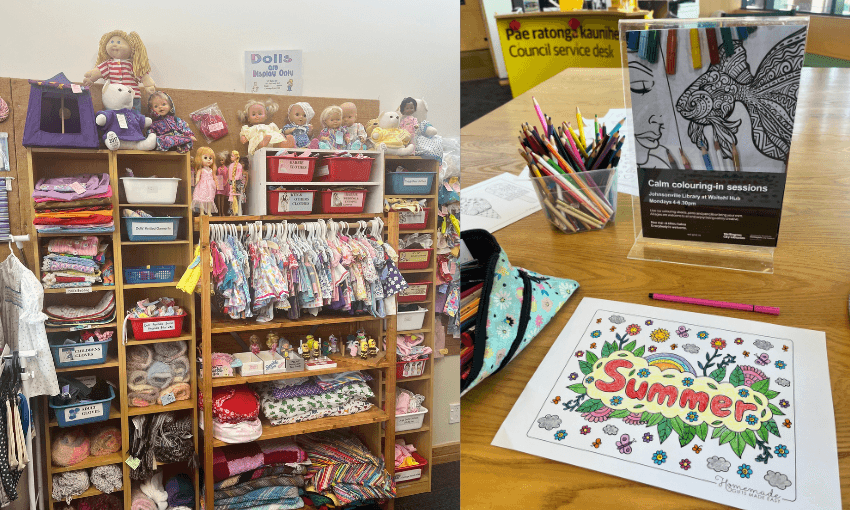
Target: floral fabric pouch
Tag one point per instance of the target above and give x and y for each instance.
(514, 305)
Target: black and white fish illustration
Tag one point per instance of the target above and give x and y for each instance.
(769, 95)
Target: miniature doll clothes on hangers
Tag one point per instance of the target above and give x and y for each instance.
(299, 116)
(122, 59)
(172, 132)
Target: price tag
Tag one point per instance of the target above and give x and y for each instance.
(78, 188)
(122, 120)
(76, 89)
(167, 398)
(78, 290)
(216, 126)
(133, 462)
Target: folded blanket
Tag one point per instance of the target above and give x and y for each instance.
(235, 433)
(281, 469)
(330, 382)
(169, 351)
(282, 495)
(87, 260)
(259, 483)
(139, 357)
(181, 491)
(280, 409)
(104, 308)
(233, 404)
(232, 460)
(45, 205)
(159, 375)
(66, 188)
(181, 391)
(302, 390)
(137, 380)
(353, 406)
(142, 398)
(138, 501)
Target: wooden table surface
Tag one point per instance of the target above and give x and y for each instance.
(811, 284)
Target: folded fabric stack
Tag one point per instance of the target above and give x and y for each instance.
(407, 402)
(69, 316)
(403, 457)
(410, 348)
(162, 307)
(236, 412)
(259, 475)
(155, 371)
(81, 204)
(149, 494)
(181, 492)
(296, 400)
(161, 438)
(343, 469)
(77, 262)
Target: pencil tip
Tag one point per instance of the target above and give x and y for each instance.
(650, 295)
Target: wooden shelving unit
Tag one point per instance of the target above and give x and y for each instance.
(68, 162)
(369, 425)
(423, 385)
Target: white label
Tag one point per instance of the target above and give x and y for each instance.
(415, 290)
(167, 398)
(296, 167)
(88, 380)
(78, 290)
(157, 326)
(346, 199)
(295, 201)
(408, 217)
(323, 170)
(415, 181)
(80, 353)
(153, 229)
(122, 120)
(216, 126)
(84, 412)
(408, 475)
(76, 89)
(78, 188)
(221, 371)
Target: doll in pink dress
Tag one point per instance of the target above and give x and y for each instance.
(408, 121)
(203, 196)
(333, 135)
(222, 189)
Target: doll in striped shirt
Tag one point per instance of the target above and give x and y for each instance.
(123, 59)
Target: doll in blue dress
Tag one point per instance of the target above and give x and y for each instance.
(298, 123)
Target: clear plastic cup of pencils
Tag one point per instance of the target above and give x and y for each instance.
(580, 201)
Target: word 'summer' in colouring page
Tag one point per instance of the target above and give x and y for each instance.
(733, 411)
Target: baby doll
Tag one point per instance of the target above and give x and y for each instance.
(299, 116)
(408, 121)
(355, 131)
(331, 136)
(222, 183)
(123, 59)
(258, 131)
(236, 183)
(203, 197)
(172, 132)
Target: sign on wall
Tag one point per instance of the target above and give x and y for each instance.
(273, 72)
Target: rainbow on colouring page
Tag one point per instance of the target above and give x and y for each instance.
(702, 402)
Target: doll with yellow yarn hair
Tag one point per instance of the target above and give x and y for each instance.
(123, 59)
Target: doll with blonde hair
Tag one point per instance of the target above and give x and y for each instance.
(203, 196)
(237, 181)
(356, 132)
(123, 59)
(222, 182)
(333, 135)
(257, 130)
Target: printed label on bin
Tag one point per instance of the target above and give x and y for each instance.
(167, 398)
(408, 475)
(296, 167)
(81, 353)
(415, 181)
(413, 256)
(78, 290)
(406, 217)
(153, 229)
(83, 412)
(415, 290)
(295, 201)
(323, 170)
(149, 327)
(220, 371)
(346, 199)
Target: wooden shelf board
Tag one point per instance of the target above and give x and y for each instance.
(94, 288)
(414, 197)
(319, 183)
(344, 364)
(90, 462)
(226, 325)
(113, 414)
(158, 408)
(142, 243)
(373, 415)
(426, 270)
(131, 341)
(111, 361)
(53, 329)
(150, 285)
(422, 377)
(414, 331)
(72, 234)
(418, 487)
(423, 428)
(151, 154)
(92, 491)
(153, 205)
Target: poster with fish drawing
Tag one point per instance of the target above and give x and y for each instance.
(737, 412)
(745, 102)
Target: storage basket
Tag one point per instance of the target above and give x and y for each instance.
(414, 258)
(339, 169)
(148, 274)
(411, 473)
(152, 328)
(343, 201)
(408, 321)
(152, 229)
(415, 291)
(410, 421)
(405, 369)
(410, 183)
(286, 202)
(150, 190)
(77, 355)
(84, 412)
(290, 168)
(410, 220)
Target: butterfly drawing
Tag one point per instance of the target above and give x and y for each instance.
(596, 443)
(624, 445)
(682, 332)
(556, 399)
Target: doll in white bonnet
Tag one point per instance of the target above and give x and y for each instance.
(298, 123)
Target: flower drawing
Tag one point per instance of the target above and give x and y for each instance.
(633, 329)
(744, 471)
(648, 322)
(718, 343)
(685, 464)
(573, 376)
(746, 354)
(751, 419)
(613, 328)
(780, 364)
(785, 348)
(596, 334)
(589, 379)
(697, 448)
(660, 335)
(643, 373)
(652, 348)
(647, 438)
(702, 335)
(659, 457)
(687, 382)
(781, 450)
(585, 430)
(783, 403)
(579, 354)
(743, 392)
(692, 416)
(615, 401)
(538, 321)
(739, 341)
(561, 434)
(673, 346)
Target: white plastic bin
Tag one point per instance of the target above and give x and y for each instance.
(150, 190)
(411, 320)
(410, 421)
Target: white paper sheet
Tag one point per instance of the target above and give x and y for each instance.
(790, 417)
(497, 202)
(626, 169)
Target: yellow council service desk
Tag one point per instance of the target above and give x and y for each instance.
(537, 46)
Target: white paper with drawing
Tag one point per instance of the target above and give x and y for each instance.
(497, 202)
(733, 411)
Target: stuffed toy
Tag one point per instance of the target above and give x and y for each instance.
(122, 58)
(425, 140)
(389, 138)
(369, 128)
(121, 126)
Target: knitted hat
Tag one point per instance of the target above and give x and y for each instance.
(69, 484)
(70, 447)
(308, 110)
(159, 374)
(181, 491)
(107, 479)
(234, 404)
(105, 441)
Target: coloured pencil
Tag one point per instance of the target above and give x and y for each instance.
(696, 55)
(596, 128)
(720, 163)
(726, 36)
(743, 33)
(673, 163)
(617, 127)
(580, 127)
(671, 52)
(736, 158)
(685, 161)
(539, 112)
(643, 44)
(705, 157)
(713, 49)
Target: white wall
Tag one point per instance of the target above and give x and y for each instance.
(446, 391)
(376, 49)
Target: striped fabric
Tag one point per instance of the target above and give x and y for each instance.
(120, 72)
(268, 481)
(4, 210)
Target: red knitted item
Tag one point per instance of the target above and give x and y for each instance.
(234, 404)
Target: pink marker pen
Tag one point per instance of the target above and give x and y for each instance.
(772, 310)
